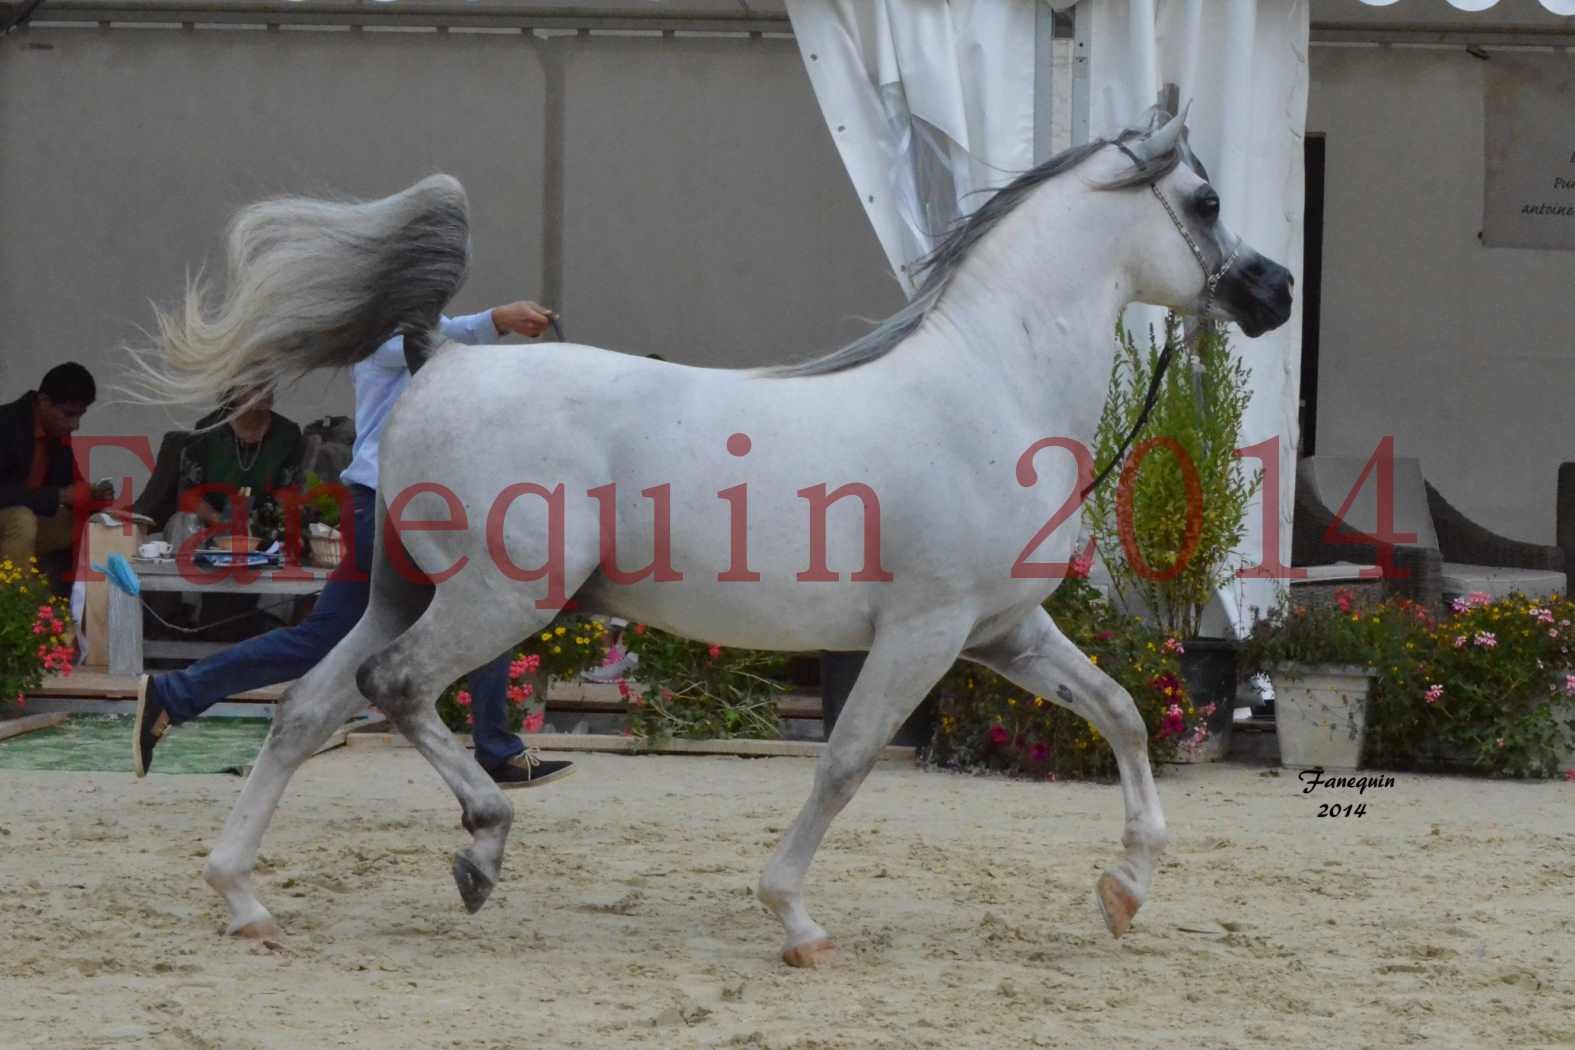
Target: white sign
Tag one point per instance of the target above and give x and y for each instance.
(1529, 192)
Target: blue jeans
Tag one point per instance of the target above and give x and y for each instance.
(290, 652)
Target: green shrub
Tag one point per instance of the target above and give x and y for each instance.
(1183, 531)
(693, 691)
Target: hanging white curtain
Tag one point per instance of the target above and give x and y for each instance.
(1243, 66)
(929, 103)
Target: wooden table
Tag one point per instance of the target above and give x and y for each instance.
(126, 648)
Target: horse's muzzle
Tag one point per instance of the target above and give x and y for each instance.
(1257, 293)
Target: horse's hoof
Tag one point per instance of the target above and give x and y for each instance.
(1116, 904)
(810, 954)
(475, 886)
(263, 930)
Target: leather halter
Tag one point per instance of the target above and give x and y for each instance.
(1211, 282)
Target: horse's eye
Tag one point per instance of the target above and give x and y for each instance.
(1208, 204)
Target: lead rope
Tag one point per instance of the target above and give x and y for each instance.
(1211, 281)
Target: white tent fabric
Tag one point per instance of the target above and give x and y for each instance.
(928, 102)
(1243, 65)
(1558, 7)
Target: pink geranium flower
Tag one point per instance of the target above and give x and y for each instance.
(1485, 640)
(714, 651)
(463, 699)
(1435, 693)
(999, 736)
(1173, 646)
(534, 721)
(1175, 722)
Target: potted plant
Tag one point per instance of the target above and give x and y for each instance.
(36, 633)
(1168, 523)
(1322, 660)
(691, 690)
(985, 723)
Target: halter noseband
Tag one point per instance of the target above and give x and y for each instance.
(1211, 283)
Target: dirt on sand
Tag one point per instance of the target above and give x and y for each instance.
(1445, 915)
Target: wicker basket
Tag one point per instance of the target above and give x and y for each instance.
(326, 552)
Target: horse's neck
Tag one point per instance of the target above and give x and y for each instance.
(1035, 307)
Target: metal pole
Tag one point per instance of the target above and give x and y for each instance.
(1083, 47)
(1044, 81)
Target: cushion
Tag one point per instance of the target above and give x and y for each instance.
(1460, 579)
(1333, 477)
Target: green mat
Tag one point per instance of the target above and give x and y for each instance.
(102, 744)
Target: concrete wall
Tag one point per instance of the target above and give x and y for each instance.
(703, 211)
(1462, 352)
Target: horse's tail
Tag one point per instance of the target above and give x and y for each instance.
(314, 284)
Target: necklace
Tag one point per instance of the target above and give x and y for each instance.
(240, 457)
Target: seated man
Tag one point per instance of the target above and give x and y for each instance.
(39, 481)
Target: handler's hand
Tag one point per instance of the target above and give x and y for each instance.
(522, 318)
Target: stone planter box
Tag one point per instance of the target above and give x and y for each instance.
(1320, 713)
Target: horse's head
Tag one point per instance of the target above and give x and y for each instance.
(1189, 260)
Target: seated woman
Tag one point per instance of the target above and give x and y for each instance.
(258, 453)
(245, 462)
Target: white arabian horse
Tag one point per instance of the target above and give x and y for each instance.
(876, 499)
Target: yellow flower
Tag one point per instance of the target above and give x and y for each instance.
(1093, 659)
(557, 649)
(560, 631)
(546, 636)
(1039, 701)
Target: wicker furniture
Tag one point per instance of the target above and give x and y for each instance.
(1450, 554)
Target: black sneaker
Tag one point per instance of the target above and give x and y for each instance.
(529, 770)
(150, 725)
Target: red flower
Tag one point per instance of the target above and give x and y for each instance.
(714, 651)
(623, 688)
(534, 721)
(999, 736)
(639, 628)
(1080, 567)
(1039, 753)
(463, 699)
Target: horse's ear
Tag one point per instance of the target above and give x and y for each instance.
(1164, 140)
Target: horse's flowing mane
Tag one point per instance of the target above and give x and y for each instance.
(948, 256)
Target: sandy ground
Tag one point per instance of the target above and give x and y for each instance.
(1445, 916)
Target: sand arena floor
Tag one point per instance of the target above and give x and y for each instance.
(1443, 917)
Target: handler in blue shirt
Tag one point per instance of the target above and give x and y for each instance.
(167, 700)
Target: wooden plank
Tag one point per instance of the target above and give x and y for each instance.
(183, 650)
(635, 745)
(165, 576)
(28, 723)
(99, 685)
(102, 540)
(565, 697)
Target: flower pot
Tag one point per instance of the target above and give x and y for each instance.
(1208, 668)
(1321, 714)
(1566, 716)
(326, 551)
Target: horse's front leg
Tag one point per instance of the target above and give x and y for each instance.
(905, 661)
(1038, 657)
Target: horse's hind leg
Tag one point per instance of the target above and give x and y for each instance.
(308, 714)
(1040, 659)
(451, 638)
(905, 661)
